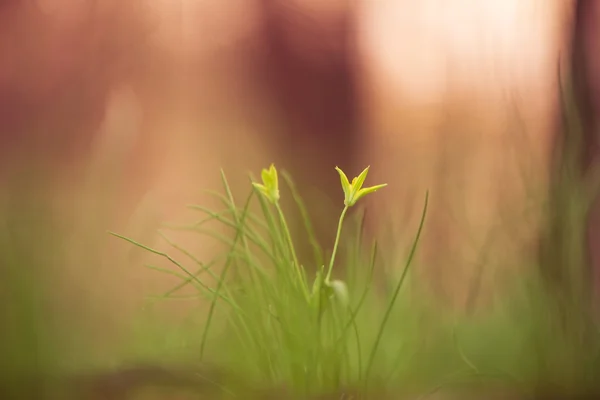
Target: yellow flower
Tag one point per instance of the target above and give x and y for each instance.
(354, 191)
(270, 184)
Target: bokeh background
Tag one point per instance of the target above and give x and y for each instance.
(116, 114)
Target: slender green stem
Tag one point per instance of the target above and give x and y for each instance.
(337, 242)
(400, 284)
(297, 267)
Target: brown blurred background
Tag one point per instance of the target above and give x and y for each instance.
(117, 114)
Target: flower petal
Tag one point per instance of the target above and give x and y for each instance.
(274, 178)
(266, 178)
(365, 191)
(345, 183)
(360, 180)
(263, 190)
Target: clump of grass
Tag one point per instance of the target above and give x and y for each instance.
(272, 323)
(282, 327)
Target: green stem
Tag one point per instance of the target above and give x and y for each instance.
(337, 242)
(288, 236)
(400, 284)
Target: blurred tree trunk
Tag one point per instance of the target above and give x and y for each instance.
(566, 249)
(568, 254)
(586, 81)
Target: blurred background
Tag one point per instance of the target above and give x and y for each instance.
(114, 115)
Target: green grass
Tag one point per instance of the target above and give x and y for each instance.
(293, 330)
(276, 324)
(327, 326)
(271, 323)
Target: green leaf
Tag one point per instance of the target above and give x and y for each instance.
(315, 296)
